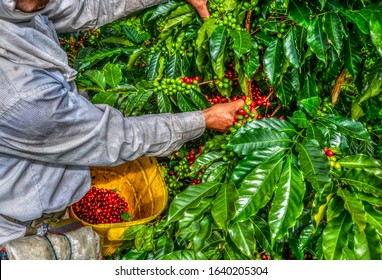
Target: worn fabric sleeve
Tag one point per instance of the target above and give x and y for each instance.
(55, 125)
(69, 15)
(10, 231)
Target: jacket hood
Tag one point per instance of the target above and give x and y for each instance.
(8, 12)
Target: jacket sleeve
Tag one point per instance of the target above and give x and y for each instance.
(59, 126)
(10, 231)
(71, 15)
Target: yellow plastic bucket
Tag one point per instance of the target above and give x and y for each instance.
(141, 183)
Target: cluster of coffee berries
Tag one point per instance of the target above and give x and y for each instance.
(231, 74)
(75, 42)
(245, 114)
(326, 107)
(217, 99)
(101, 206)
(159, 48)
(251, 5)
(333, 159)
(259, 97)
(219, 144)
(172, 86)
(186, 50)
(198, 179)
(223, 83)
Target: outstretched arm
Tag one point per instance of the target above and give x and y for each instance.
(70, 15)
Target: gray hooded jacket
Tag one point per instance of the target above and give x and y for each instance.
(49, 134)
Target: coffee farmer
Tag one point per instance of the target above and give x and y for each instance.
(49, 134)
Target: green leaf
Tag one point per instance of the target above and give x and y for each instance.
(320, 207)
(300, 119)
(290, 49)
(199, 99)
(334, 28)
(349, 127)
(194, 214)
(314, 132)
(355, 208)
(272, 60)
(305, 237)
(131, 34)
(251, 161)
(362, 20)
(247, 142)
(242, 234)
(276, 124)
(314, 163)
(216, 171)
(335, 208)
(374, 218)
(323, 3)
(375, 201)
(135, 55)
(310, 88)
(204, 160)
(136, 101)
(335, 236)
(164, 246)
(310, 105)
(367, 244)
(373, 82)
(251, 64)
(113, 74)
(363, 180)
(206, 31)
(352, 56)
(203, 234)
(287, 204)
(223, 207)
(375, 25)
(174, 66)
(153, 66)
(181, 255)
(185, 104)
(262, 233)
(231, 252)
(164, 103)
(286, 89)
(179, 19)
(219, 66)
(356, 111)
(139, 238)
(118, 40)
(257, 188)
(218, 41)
(318, 40)
(126, 216)
(359, 161)
(242, 42)
(131, 232)
(108, 98)
(163, 9)
(299, 12)
(190, 198)
(96, 77)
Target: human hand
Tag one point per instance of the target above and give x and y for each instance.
(221, 116)
(201, 7)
